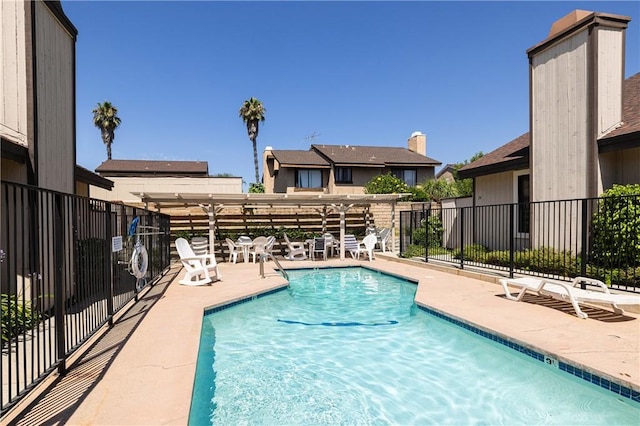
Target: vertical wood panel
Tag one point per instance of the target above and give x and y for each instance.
(610, 76)
(559, 120)
(54, 68)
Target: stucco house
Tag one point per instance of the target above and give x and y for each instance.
(584, 133)
(345, 169)
(134, 178)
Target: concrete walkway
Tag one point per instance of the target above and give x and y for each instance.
(140, 372)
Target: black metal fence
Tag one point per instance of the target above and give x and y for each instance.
(599, 238)
(63, 276)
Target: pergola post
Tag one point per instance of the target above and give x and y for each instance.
(393, 226)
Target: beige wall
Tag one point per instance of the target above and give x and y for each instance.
(124, 186)
(13, 72)
(610, 78)
(497, 188)
(620, 167)
(559, 120)
(56, 111)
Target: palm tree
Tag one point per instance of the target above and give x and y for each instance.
(252, 113)
(105, 118)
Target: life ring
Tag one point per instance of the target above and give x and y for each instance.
(139, 262)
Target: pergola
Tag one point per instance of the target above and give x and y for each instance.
(214, 203)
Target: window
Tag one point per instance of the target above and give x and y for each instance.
(343, 175)
(308, 178)
(408, 176)
(523, 208)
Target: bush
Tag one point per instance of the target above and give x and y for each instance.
(616, 227)
(386, 184)
(256, 188)
(472, 252)
(17, 317)
(435, 230)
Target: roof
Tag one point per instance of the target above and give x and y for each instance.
(300, 158)
(372, 156)
(630, 109)
(150, 167)
(447, 168)
(87, 176)
(515, 154)
(511, 156)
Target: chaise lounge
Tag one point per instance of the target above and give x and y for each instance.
(569, 292)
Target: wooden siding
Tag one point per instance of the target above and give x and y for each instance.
(559, 120)
(13, 73)
(610, 75)
(620, 167)
(55, 49)
(494, 189)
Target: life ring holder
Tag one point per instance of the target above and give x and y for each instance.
(139, 261)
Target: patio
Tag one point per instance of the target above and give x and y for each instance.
(141, 371)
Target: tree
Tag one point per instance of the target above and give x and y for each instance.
(252, 113)
(105, 118)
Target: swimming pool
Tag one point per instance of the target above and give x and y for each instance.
(349, 346)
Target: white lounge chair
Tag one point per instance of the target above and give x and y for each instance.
(295, 250)
(351, 246)
(383, 238)
(200, 245)
(199, 268)
(570, 292)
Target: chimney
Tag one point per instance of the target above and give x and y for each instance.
(575, 83)
(418, 143)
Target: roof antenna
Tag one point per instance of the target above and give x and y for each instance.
(312, 136)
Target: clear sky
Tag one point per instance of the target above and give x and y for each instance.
(357, 73)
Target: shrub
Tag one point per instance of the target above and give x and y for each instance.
(256, 188)
(435, 230)
(386, 184)
(616, 227)
(472, 252)
(17, 317)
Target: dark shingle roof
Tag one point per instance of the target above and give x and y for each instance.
(150, 167)
(299, 158)
(630, 108)
(374, 156)
(510, 156)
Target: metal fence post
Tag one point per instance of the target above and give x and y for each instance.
(511, 238)
(109, 267)
(584, 250)
(58, 285)
(461, 237)
(427, 215)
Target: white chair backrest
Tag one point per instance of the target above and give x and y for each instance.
(231, 244)
(370, 241)
(244, 239)
(270, 242)
(200, 245)
(184, 249)
(385, 234)
(350, 242)
(260, 241)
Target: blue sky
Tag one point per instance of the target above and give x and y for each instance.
(357, 73)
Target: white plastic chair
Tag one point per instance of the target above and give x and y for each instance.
(319, 246)
(367, 245)
(233, 250)
(351, 246)
(198, 268)
(383, 238)
(200, 245)
(296, 250)
(259, 244)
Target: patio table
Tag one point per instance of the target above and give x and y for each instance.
(245, 245)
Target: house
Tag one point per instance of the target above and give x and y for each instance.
(584, 133)
(345, 169)
(447, 173)
(149, 176)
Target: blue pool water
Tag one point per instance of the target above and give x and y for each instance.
(349, 346)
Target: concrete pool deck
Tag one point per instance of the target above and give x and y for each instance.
(140, 372)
